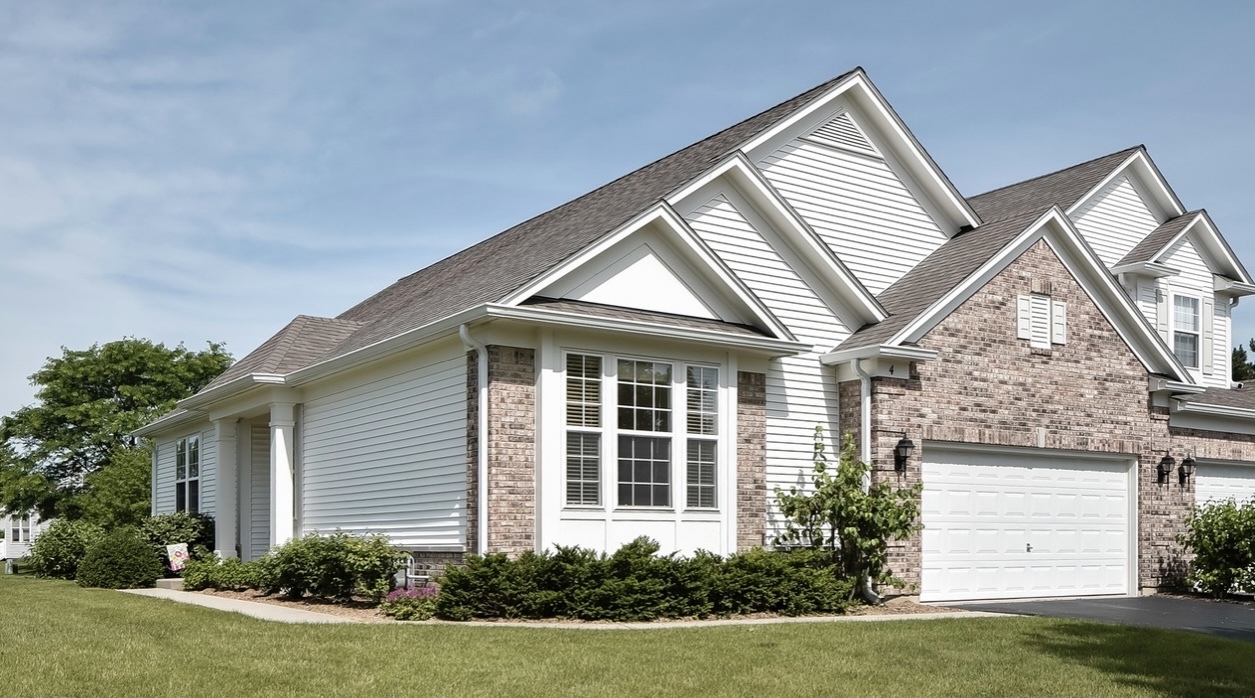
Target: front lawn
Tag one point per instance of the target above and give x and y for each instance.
(61, 640)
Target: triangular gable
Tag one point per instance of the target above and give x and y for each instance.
(1083, 263)
(656, 263)
(875, 116)
(1148, 180)
(738, 173)
(1202, 232)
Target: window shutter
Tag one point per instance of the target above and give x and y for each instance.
(1024, 321)
(1058, 322)
(1161, 312)
(1207, 359)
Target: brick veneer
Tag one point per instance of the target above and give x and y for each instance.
(1090, 394)
(751, 459)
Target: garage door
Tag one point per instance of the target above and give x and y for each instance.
(1022, 524)
(1224, 481)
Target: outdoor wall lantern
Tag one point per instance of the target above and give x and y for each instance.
(1187, 469)
(1166, 464)
(902, 453)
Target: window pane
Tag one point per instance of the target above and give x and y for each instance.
(193, 457)
(180, 459)
(644, 471)
(1185, 315)
(644, 395)
(1185, 346)
(180, 496)
(193, 495)
(702, 462)
(583, 390)
(583, 469)
(702, 400)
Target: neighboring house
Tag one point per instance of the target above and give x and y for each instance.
(19, 531)
(653, 358)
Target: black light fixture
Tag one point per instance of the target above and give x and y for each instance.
(1166, 464)
(902, 453)
(1187, 469)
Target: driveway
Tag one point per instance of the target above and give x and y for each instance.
(1229, 620)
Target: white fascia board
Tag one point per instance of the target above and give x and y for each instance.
(231, 388)
(1154, 270)
(168, 421)
(662, 213)
(877, 351)
(760, 345)
(1217, 248)
(749, 181)
(1193, 407)
(1230, 287)
(912, 154)
(1156, 384)
(1150, 177)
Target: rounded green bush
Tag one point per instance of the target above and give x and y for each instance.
(58, 551)
(121, 560)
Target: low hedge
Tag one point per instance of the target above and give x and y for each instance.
(58, 551)
(637, 584)
(1221, 535)
(123, 559)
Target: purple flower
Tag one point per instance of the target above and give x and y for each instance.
(414, 593)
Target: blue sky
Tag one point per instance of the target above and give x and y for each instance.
(189, 172)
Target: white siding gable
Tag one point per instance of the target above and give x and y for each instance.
(858, 206)
(1114, 220)
(800, 392)
(642, 279)
(1195, 280)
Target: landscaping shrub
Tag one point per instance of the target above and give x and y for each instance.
(1222, 538)
(123, 559)
(636, 584)
(335, 567)
(58, 551)
(197, 530)
(230, 574)
(418, 603)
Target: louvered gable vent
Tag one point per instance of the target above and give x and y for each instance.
(842, 132)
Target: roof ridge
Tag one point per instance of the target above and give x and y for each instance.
(1058, 171)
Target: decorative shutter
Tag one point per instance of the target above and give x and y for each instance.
(1209, 322)
(1161, 312)
(1024, 318)
(1058, 322)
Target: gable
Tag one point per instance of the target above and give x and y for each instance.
(647, 276)
(1115, 219)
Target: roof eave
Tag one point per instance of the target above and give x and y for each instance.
(877, 351)
(1214, 410)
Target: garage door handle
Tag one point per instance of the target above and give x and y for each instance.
(1028, 547)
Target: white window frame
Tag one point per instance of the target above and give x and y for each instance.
(184, 479)
(1197, 333)
(19, 533)
(609, 432)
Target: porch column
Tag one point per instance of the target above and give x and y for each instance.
(226, 521)
(282, 511)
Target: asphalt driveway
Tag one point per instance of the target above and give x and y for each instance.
(1229, 620)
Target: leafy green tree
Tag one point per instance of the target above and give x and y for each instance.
(88, 402)
(1243, 368)
(118, 494)
(839, 515)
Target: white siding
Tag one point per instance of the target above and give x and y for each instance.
(389, 455)
(1115, 220)
(259, 490)
(208, 472)
(800, 392)
(1195, 280)
(858, 206)
(165, 477)
(166, 469)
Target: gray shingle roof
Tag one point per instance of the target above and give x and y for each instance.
(619, 313)
(1064, 187)
(1153, 244)
(301, 343)
(1223, 397)
(940, 272)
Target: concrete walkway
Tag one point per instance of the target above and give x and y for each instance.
(283, 614)
(264, 611)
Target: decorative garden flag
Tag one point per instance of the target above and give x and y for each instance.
(178, 555)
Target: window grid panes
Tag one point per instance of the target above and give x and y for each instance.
(644, 395)
(187, 474)
(702, 465)
(1186, 325)
(583, 469)
(644, 471)
(583, 390)
(702, 402)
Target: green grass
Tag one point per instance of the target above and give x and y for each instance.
(60, 640)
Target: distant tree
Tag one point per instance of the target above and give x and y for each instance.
(88, 403)
(1243, 368)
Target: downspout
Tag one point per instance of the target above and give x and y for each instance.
(865, 452)
(481, 437)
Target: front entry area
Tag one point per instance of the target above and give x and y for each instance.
(1003, 523)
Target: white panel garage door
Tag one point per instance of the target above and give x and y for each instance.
(1224, 481)
(1023, 524)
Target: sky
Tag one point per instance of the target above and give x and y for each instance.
(197, 172)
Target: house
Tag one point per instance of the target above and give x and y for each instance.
(653, 357)
(19, 530)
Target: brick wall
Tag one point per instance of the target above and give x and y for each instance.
(988, 387)
(751, 459)
(511, 449)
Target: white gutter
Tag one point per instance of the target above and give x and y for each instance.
(1217, 410)
(168, 421)
(481, 439)
(865, 450)
(875, 351)
(1154, 270)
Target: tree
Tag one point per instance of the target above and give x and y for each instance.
(1243, 368)
(88, 403)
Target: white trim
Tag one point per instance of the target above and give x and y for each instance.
(877, 351)
(1192, 406)
(1229, 287)
(1148, 174)
(1154, 270)
(1212, 246)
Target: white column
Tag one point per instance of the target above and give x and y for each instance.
(282, 511)
(226, 520)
